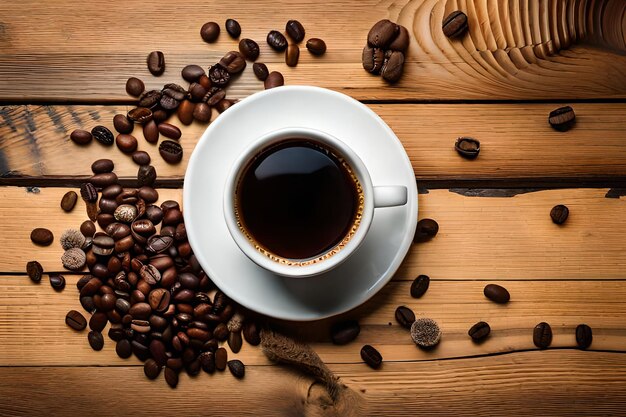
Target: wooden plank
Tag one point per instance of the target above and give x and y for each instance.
(480, 238)
(33, 316)
(88, 54)
(516, 141)
(522, 384)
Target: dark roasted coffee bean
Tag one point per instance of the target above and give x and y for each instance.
(455, 24)
(382, 34)
(316, 46)
(373, 59)
(345, 332)
(295, 30)
(88, 191)
(497, 293)
(141, 157)
(102, 166)
(210, 31)
(584, 336)
(160, 115)
(562, 119)
(170, 131)
(140, 115)
(542, 335)
(197, 92)
(292, 54)
(214, 95)
(479, 331)
(34, 271)
(207, 361)
(108, 302)
(154, 214)
(90, 287)
(117, 332)
(102, 135)
(405, 316)
(277, 40)
(116, 231)
(171, 377)
(148, 194)
(170, 204)
(81, 137)
(151, 369)
(234, 341)
(102, 181)
(123, 124)
(57, 281)
(126, 143)
(141, 311)
(467, 147)
(150, 274)
(122, 305)
(393, 66)
(96, 341)
(426, 230)
(274, 79)
(88, 304)
(169, 103)
(233, 28)
(88, 228)
(223, 105)
(83, 281)
(143, 227)
(134, 86)
(192, 73)
(401, 42)
(156, 62)
(69, 201)
(221, 358)
(172, 217)
(123, 349)
(234, 62)
(237, 368)
(140, 326)
(151, 132)
(159, 299)
(202, 112)
(41, 236)
(219, 75)
(75, 320)
(420, 286)
(559, 214)
(149, 99)
(185, 111)
(260, 70)
(371, 356)
(146, 175)
(249, 49)
(171, 151)
(175, 91)
(158, 244)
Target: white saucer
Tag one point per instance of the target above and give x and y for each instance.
(350, 284)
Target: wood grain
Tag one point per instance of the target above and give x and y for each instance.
(562, 49)
(479, 238)
(516, 141)
(521, 384)
(36, 313)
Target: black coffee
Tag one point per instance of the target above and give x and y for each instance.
(297, 200)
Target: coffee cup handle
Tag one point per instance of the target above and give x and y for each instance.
(390, 195)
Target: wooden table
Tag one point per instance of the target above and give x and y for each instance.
(63, 65)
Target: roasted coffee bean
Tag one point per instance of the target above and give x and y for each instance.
(148, 194)
(159, 299)
(156, 62)
(221, 358)
(197, 92)
(102, 166)
(292, 54)
(219, 75)
(41, 236)
(158, 244)
(146, 175)
(210, 31)
(140, 326)
(143, 227)
(75, 320)
(141, 157)
(122, 305)
(295, 30)
(172, 217)
(90, 287)
(88, 304)
(170, 131)
(393, 66)
(151, 132)
(455, 24)
(233, 61)
(235, 341)
(160, 115)
(123, 124)
(479, 331)
(175, 91)
(168, 102)
(467, 147)
(382, 34)
(584, 336)
(185, 111)
(373, 59)
(117, 332)
(559, 214)
(214, 95)
(344, 332)
(150, 274)
(401, 42)
(426, 230)
(171, 151)
(149, 99)
(223, 105)
(207, 361)
(57, 281)
(233, 28)
(34, 271)
(126, 143)
(237, 368)
(425, 332)
(420, 286)
(88, 228)
(562, 119)
(260, 70)
(81, 137)
(249, 49)
(184, 296)
(96, 341)
(405, 316)
(83, 281)
(108, 302)
(102, 181)
(202, 112)
(497, 293)
(205, 82)
(371, 356)
(542, 335)
(192, 73)
(316, 46)
(154, 214)
(116, 231)
(171, 377)
(151, 369)
(134, 87)
(102, 135)
(123, 349)
(274, 79)
(69, 201)
(140, 115)
(277, 41)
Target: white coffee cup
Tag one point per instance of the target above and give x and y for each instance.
(373, 197)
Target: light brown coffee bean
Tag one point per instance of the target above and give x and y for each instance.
(170, 131)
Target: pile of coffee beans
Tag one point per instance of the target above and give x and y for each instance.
(387, 43)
